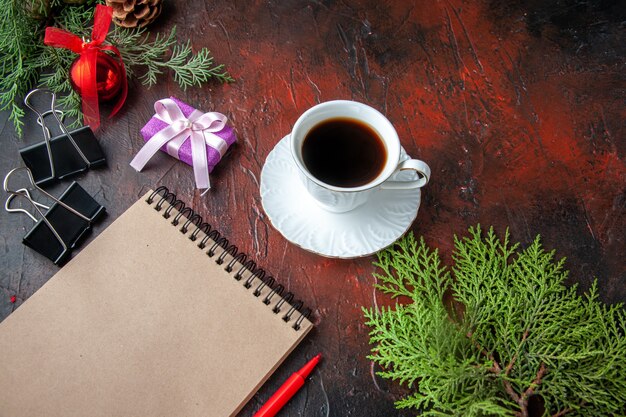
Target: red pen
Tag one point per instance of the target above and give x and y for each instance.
(287, 390)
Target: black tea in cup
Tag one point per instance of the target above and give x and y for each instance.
(344, 152)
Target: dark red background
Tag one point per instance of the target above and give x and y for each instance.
(518, 107)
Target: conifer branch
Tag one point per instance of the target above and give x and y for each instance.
(509, 367)
(530, 390)
(521, 332)
(569, 410)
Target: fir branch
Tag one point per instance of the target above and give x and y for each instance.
(522, 332)
(194, 70)
(410, 269)
(138, 51)
(19, 34)
(189, 69)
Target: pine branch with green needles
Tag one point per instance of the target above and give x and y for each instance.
(512, 332)
(26, 63)
(189, 69)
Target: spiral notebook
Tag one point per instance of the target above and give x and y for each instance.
(158, 316)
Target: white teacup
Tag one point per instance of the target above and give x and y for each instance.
(341, 199)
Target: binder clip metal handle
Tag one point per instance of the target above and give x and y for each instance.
(55, 158)
(62, 225)
(46, 132)
(41, 122)
(22, 192)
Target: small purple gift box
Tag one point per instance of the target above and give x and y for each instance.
(155, 124)
(198, 139)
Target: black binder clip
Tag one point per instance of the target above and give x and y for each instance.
(61, 156)
(64, 224)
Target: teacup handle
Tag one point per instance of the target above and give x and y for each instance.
(423, 173)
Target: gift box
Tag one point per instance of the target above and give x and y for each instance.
(198, 139)
(155, 125)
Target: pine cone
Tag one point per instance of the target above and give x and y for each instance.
(37, 9)
(134, 13)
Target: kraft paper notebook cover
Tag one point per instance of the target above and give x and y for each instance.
(143, 323)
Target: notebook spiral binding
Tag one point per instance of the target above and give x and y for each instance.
(221, 243)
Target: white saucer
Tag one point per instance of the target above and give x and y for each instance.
(365, 230)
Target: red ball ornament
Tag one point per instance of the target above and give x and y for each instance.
(109, 75)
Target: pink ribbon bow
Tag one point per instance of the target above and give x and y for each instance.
(200, 127)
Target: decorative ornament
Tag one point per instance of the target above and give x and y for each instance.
(94, 71)
(134, 13)
(189, 135)
(28, 63)
(110, 75)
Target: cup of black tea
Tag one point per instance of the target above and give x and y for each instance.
(345, 151)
